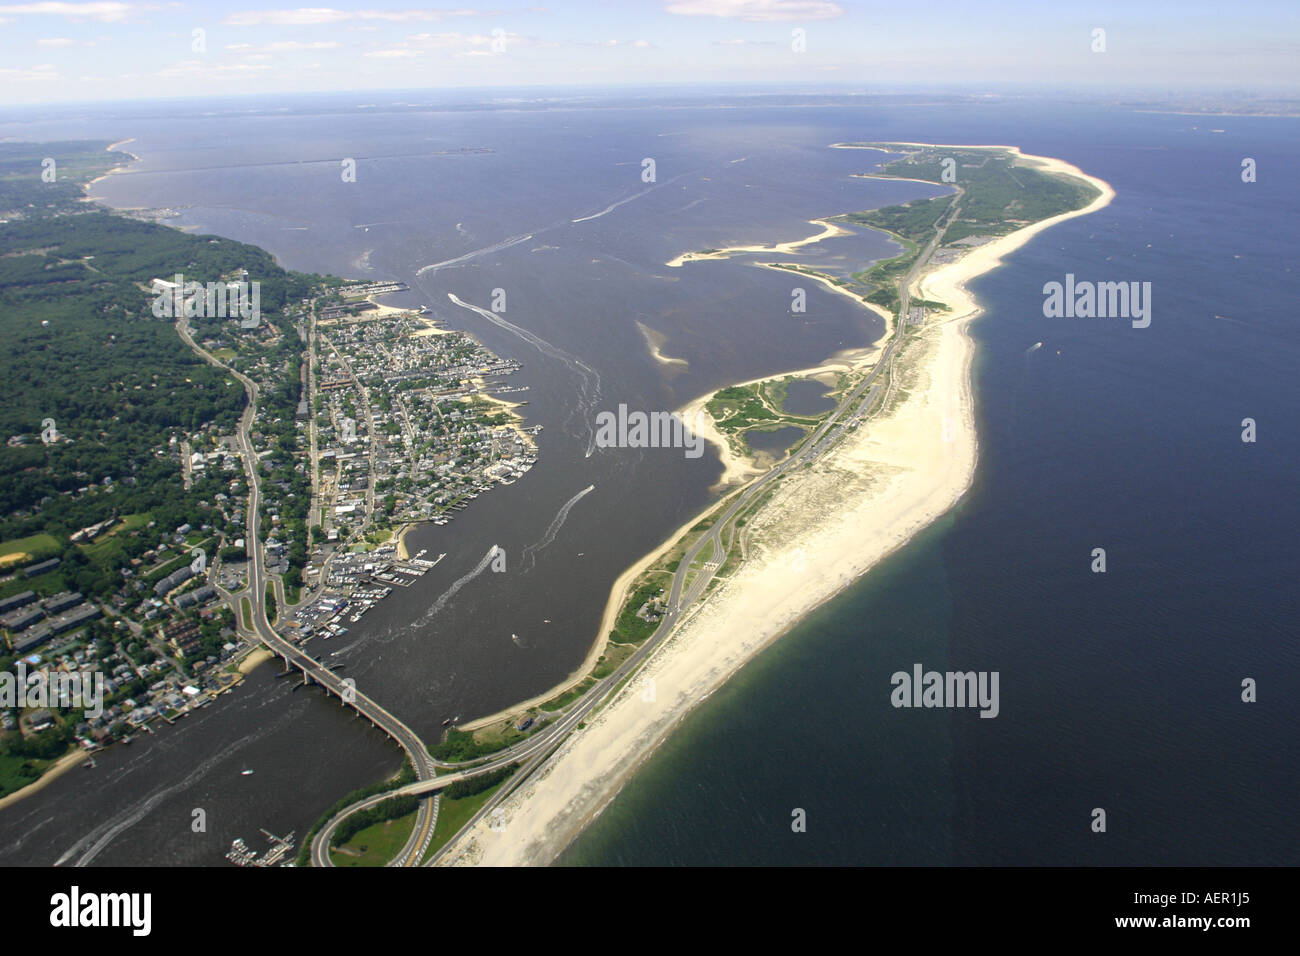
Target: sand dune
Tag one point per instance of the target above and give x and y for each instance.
(823, 528)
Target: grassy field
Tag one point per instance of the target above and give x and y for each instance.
(1000, 195)
(11, 776)
(628, 628)
(109, 544)
(454, 814)
(34, 548)
(375, 845)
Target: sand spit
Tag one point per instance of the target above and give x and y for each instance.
(860, 502)
(829, 231)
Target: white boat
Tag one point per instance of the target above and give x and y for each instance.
(245, 773)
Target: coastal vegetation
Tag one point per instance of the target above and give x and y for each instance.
(477, 784)
(994, 195)
(741, 410)
(453, 814)
(387, 810)
(403, 776)
(376, 844)
(460, 746)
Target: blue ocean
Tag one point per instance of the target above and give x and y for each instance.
(1120, 691)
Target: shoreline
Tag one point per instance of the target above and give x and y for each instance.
(863, 501)
(829, 231)
(111, 147)
(399, 539)
(52, 773)
(254, 659)
(738, 468)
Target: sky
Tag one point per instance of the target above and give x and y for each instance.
(122, 49)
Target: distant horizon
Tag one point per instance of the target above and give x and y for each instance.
(1165, 97)
(121, 50)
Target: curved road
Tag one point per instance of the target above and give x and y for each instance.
(313, 671)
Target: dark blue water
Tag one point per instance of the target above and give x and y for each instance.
(1118, 690)
(807, 397)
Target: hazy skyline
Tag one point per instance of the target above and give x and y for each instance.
(57, 51)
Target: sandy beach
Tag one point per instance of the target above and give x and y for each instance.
(117, 169)
(254, 659)
(654, 341)
(738, 468)
(829, 231)
(400, 541)
(854, 506)
(74, 758)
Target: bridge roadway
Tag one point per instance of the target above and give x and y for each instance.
(532, 752)
(313, 671)
(539, 746)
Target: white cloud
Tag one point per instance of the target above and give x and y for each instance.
(740, 42)
(283, 46)
(638, 44)
(45, 71)
(208, 69)
(304, 16)
(107, 11)
(758, 10)
(461, 44)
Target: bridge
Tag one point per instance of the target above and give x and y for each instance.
(293, 656)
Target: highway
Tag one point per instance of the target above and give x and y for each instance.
(681, 599)
(848, 414)
(313, 671)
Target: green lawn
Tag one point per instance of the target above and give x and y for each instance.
(39, 546)
(454, 814)
(375, 845)
(109, 548)
(11, 776)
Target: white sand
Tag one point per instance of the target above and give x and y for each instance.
(865, 499)
(654, 341)
(829, 231)
(57, 769)
(115, 170)
(738, 468)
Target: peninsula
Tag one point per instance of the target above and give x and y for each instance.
(898, 450)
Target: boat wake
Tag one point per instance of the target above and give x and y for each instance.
(95, 842)
(456, 585)
(622, 202)
(503, 244)
(529, 556)
(588, 377)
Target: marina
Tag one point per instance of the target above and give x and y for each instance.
(358, 583)
(241, 854)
